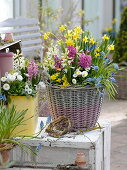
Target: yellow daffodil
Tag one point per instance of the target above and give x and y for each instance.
(58, 69)
(114, 21)
(69, 42)
(46, 35)
(92, 41)
(69, 33)
(98, 49)
(78, 29)
(64, 84)
(105, 37)
(54, 76)
(75, 35)
(64, 78)
(58, 80)
(62, 27)
(109, 29)
(85, 39)
(111, 47)
(97, 54)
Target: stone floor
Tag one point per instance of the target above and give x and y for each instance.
(116, 112)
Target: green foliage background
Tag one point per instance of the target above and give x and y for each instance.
(120, 53)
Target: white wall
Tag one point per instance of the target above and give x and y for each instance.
(6, 9)
(100, 11)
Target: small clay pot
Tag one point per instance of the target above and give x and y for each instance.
(5, 154)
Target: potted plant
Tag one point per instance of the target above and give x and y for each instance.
(79, 71)
(20, 87)
(10, 119)
(120, 56)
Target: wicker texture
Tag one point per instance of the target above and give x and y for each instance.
(80, 104)
(121, 80)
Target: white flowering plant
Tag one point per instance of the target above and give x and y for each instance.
(76, 58)
(23, 80)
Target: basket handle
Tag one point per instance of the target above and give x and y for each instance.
(123, 63)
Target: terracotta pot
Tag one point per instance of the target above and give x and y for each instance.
(6, 62)
(5, 154)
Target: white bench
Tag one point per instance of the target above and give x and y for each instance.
(95, 144)
(28, 31)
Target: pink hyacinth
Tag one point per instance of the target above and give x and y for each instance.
(32, 69)
(58, 63)
(85, 60)
(72, 52)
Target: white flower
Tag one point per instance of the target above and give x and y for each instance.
(19, 77)
(78, 73)
(65, 70)
(69, 62)
(3, 79)
(75, 75)
(6, 86)
(29, 91)
(87, 69)
(84, 73)
(74, 81)
(16, 74)
(42, 85)
(11, 77)
(26, 87)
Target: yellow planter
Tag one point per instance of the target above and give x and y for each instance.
(23, 103)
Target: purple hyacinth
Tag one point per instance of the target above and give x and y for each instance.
(58, 63)
(85, 60)
(72, 52)
(32, 69)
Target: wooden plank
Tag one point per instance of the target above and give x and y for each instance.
(32, 48)
(11, 22)
(31, 42)
(22, 29)
(26, 36)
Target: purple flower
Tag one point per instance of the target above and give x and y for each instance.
(85, 60)
(72, 52)
(32, 70)
(58, 63)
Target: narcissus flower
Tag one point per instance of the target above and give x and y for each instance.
(92, 41)
(62, 27)
(69, 42)
(85, 39)
(111, 47)
(105, 37)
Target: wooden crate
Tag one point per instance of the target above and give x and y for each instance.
(95, 144)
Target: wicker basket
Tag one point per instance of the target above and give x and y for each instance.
(121, 80)
(80, 104)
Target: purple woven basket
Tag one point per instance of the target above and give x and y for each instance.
(80, 104)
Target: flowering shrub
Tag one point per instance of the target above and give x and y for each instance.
(76, 58)
(22, 81)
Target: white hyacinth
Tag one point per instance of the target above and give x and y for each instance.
(19, 77)
(74, 81)
(6, 87)
(84, 74)
(3, 79)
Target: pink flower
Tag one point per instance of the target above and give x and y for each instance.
(58, 63)
(85, 60)
(32, 70)
(72, 52)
